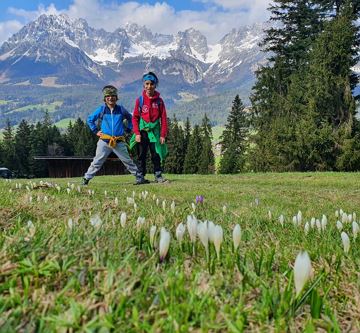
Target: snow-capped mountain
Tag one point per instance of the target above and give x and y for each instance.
(71, 52)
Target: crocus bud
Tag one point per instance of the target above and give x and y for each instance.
(164, 243)
(302, 271)
(152, 235)
(306, 228)
(281, 220)
(236, 236)
(218, 238)
(355, 228)
(339, 225)
(346, 241)
(191, 224)
(202, 232)
(180, 231)
(123, 219)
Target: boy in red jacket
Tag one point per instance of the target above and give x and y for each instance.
(150, 128)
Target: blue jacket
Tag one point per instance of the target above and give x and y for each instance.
(112, 123)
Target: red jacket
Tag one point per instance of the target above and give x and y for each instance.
(150, 112)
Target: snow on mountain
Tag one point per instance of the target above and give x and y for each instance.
(69, 48)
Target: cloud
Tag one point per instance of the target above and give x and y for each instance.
(27, 15)
(214, 22)
(8, 28)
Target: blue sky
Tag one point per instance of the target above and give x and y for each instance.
(214, 18)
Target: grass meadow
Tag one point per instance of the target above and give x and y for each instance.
(71, 261)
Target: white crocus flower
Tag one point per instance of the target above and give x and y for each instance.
(341, 212)
(164, 243)
(294, 220)
(70, 223)
(38, 199)
(202, 232)
(354, 216)
(157, 202)
(58, 188)
(336, 213)
(355, 229)
(318, 225)
(31, 230)
(281, 220)
(344, 218)
(211, 230)
(270, 215)
(96, 221)
(236, 236)
(130, 201)
(224, 209)
(30, 199)
(92, 192)
(302, 271)
(116, 201)
(172, 207)
(133, 194)
(299, 218)
(78, 188)
(306, 228)
(193, 206)
(123, 219)
(72, 186)
(346, 241)
(218, 238)
(154, 197)
(350, 218)
(339, 225)
(140, 222)
(312, 222)
(10, 190)
(46, 199)
(135, 207)
(180, 231)
(323, 223)
(68, 191)
(105, 193)
(164, 205)
(191, 224)
(152, 235)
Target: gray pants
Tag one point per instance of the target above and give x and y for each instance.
(102, 152)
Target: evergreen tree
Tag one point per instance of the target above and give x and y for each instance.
(23, 148)
(234, 139)
(175, 140)
(192, 157)
(302, 105)
(187, 134)
(9, 147)
(206, 160)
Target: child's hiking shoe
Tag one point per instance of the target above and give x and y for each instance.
(85, 181)
(141, 181)
(160, 179)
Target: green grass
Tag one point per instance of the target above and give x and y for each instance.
(64, 123)
(3, 102)
(217, 132)
(43, 107)
(110, 279)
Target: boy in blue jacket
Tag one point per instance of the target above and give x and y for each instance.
(111, 134)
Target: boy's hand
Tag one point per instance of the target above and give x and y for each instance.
(138, 138)
(99, 134)
(162, 140)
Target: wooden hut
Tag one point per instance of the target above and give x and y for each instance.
(76, 166)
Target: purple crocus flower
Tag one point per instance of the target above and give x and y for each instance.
(199, 199)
